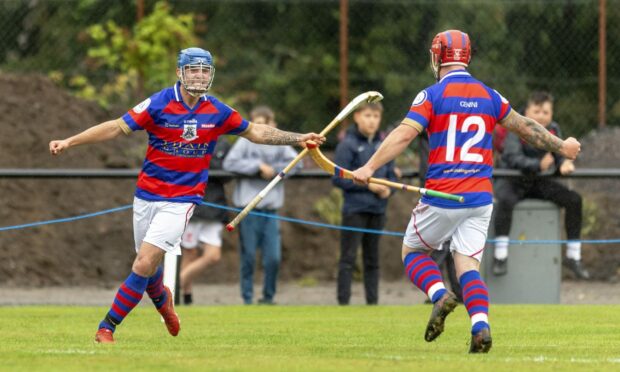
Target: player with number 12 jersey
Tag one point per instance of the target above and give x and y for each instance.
(459, 113)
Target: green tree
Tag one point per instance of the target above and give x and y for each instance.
(145, 54)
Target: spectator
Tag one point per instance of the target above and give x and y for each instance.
(255, 232)
(364, 207)
(532, 162)
(204, 231)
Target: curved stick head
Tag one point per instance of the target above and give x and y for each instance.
(374, 96)
(367, 97)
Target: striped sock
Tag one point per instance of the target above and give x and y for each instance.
(155, 288)
(128, 296)
(425, 274)
(476, 299)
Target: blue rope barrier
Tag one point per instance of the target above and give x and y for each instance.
(68, 219)
(295, 220)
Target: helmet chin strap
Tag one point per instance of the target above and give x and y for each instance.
(193, 93)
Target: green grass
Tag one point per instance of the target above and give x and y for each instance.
(310, 338)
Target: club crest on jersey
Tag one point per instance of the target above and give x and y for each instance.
(419, 99)
(190, 130)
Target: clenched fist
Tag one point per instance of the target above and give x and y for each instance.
(570, 148)
(58, 146)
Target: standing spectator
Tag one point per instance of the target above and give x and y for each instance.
(364, 206)
(532, 162)
(204, 231)
(255, 232)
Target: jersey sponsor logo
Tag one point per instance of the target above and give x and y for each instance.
(185, 150)
(468, 104)
(140, 107)
(420, 98)
(171, 125)
(207, 125)
(190, 130)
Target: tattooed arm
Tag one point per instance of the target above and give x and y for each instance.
(537, 135)
(268, 135)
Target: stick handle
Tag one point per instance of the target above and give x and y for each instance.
(421, 190)
(259, 197)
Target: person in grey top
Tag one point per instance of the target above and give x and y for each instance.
(259, 232)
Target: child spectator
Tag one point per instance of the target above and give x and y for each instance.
(364, 207)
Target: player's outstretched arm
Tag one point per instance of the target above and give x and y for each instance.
(394, 144)
(537, 135)
(268, 135)
(99, 133)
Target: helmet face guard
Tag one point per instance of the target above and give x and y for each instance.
(197, 78)
(196, 70)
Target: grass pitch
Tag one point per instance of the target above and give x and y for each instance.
(310, 338)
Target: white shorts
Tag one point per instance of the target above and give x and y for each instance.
(160, 223)
(466, 228)
(207, 232)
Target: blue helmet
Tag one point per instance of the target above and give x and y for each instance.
(196, 70)
(194, 56)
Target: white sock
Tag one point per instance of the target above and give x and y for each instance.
(573, 250)
(501, 247)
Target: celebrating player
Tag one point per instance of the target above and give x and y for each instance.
(459, 113)
(183, 124)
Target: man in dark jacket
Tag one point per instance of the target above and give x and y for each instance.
(203, 233)
(364, 207)
(534, 162)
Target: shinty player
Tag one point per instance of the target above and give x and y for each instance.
(183, 124)
(459, 114)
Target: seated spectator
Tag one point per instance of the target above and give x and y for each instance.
(202, 239)
(259, 232)
(532, 162)
(364, 206)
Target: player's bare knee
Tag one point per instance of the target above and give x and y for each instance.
(465, 263)
(146, 264)
(406, 250)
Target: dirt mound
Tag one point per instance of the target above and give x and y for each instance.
(34, 112)
(601, 212)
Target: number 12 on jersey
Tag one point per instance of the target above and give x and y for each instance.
(479, 136)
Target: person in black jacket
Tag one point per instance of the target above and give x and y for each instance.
(364, 207)
(534, 162)
(204, 230)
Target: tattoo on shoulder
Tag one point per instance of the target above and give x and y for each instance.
(274, 136)
(532, 132)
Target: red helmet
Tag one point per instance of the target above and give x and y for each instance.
(451, 47)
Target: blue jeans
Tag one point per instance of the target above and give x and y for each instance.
(259, 232)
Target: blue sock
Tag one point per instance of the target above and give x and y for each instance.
(155, 288)
(476, 300)
(425, 274)
(128, 296)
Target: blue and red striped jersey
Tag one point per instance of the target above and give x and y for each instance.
(181, 142)
(459, 114)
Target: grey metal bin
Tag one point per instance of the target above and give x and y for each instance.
(534, 270)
